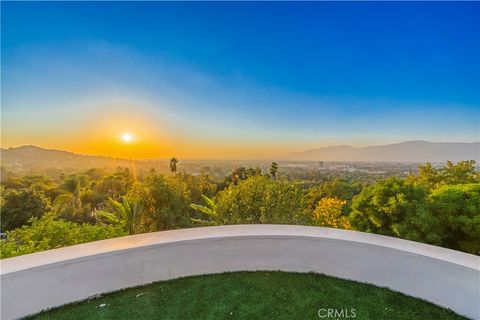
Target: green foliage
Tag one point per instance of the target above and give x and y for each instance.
(167, 203)
(195, 186)
(383, 207)
(113, 186)
(49, 232)
(439, 205)
(211, 210)
(18, 206)
(457, 208)
(69, 204)
(240, 173)
(74, 183)
(259, 199)
(166, 200)
(447, 216)
(459, 173)
(336, 188)
(126, 214)
(40, 183)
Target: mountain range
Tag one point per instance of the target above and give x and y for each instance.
(409, 151)
(29, 158)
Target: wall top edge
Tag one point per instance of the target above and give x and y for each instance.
(139, 241)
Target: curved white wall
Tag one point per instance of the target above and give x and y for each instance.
(52, 278)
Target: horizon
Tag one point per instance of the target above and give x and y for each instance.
(237, 80)
(281, 158)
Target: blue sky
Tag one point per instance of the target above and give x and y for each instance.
(244, 79)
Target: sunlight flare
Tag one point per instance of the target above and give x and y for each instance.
(127, 137)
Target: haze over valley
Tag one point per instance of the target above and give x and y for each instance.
(394, 158)
(410, 151)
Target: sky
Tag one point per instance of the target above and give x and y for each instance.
(224, 80)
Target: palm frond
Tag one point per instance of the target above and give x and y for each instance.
(204, 209)
(108, 216)
(209, 202)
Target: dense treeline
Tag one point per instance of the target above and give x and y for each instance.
(439, 206)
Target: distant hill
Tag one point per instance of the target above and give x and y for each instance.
(27, 158)
(410, 151)
(32, 158)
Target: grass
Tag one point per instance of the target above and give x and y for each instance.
(251, 295)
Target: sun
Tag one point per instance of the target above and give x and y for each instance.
(127, 137)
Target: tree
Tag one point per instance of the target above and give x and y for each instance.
(194, 186)
(273, 170)
(18, 206)
(427, 176)
(457, 207)
(167, 203)
(241, 173)
(336, 188)
(113, 186)
(384, 207)
(173, 165)
(70, 204)
(238, 174)
(259, 199)
(328, 213)
(460, 173)
(40, 183)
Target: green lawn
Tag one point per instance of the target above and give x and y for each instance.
(251, 295)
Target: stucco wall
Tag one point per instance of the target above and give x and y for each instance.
(52, 278)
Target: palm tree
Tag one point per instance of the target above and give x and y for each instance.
(273, 170)
(173, 165)
(69, 204)
(126, 213)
